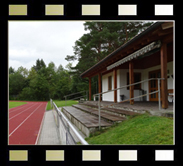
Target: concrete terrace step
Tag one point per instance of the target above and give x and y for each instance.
(104, 115)
(87, 123)
(115, 111)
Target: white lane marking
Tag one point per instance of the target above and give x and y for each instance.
(18, 108)
(21, 112)
(40, 128)
(24, 121)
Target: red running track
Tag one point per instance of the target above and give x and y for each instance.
(25, 122)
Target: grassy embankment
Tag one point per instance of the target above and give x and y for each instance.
(141, 129)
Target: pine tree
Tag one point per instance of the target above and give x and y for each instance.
(39, 65)
(102, 39)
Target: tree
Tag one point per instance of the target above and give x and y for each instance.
(39, 65)
(60, 69)
(23, 71)
(32, 73)
(40, 82)
(63, 82)
(51, 78)
(16, 83)
(11, 70)
(102, 39)
(39, 85)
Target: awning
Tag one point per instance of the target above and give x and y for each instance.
(136, 54)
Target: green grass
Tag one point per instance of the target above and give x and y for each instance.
(61, 103)
(15, 104)
(141, 129)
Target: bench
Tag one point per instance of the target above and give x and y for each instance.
(81, 100)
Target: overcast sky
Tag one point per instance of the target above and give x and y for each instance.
(47, 40)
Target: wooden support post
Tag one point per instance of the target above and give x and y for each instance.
(89, 88)
(115, 84)
(164, 90)
(99, 85)
(131, 81)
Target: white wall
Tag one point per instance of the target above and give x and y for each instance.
(110, 96)
(122, 80)
(107, 96)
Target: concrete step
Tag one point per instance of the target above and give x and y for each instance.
(118, 112)
(85, 122)
(104, 115)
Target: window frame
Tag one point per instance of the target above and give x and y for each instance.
(109, 82)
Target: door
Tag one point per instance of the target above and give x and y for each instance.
(153, 84)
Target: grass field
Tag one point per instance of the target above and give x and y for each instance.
(15, 104)
(141, 129)
(61, 103)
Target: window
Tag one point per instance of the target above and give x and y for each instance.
(137, 78)
(109, 82)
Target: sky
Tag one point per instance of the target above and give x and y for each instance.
(51, 41)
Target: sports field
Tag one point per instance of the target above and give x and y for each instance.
(25, 122)
(13, 104)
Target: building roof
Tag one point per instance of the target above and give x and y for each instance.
(154, 27)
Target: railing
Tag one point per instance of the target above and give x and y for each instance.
(68, 135)
(86, 95)
(158, 91)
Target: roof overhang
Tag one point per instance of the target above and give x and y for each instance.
(136, 54)
(154, 33)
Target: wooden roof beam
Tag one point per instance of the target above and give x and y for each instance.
(145, 41)
(165, 32)
(168, 38)
(155, 31)
(167, 25)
